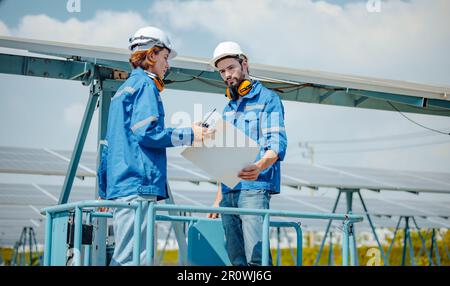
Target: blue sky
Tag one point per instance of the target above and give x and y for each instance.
(11, 11)
(407, 40)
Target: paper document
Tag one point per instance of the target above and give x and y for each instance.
(224, 155)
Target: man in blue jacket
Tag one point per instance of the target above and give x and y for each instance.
(133, 162)
(259, 113)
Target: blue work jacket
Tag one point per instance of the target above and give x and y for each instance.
(133, 160)
(260, 115)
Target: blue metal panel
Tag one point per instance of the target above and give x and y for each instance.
(206, 244)
(59, 234)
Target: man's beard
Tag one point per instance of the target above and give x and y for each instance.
(236, 84)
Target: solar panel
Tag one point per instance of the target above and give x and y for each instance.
(270, 76)
(20, 203)
(35, 161)
(398, 179)
(51, 162)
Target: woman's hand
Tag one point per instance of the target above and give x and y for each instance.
(201, 133)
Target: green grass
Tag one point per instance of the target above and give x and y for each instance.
(309, 254)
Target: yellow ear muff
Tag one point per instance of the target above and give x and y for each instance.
(228, 93)
(244, 88)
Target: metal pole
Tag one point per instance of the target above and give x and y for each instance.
(327, 230)
(100, 223)
(330, 253)
(278, 247)
(345, 243)
(137, 235)
(77, 237)
(405, 241)
(48, 239)
(299, 245)
(14, 260)
(411, 249)
(30, 243)
(87, 248)
(23, 256)
(36, 247)
(353, 248)
(436, 248)
(265, 240)
(79, 144)
(393, 238)
(161, 255)
(386, 262)
(151, 234)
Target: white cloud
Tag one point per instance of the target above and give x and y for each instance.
(4, 29)
(407, 40)
(106, 28)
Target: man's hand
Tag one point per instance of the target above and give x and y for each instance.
(102, 209)
(214, 215)
(249, 173)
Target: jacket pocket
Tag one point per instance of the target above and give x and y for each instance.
(252, 125)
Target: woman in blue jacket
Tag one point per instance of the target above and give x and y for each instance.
(133, 162)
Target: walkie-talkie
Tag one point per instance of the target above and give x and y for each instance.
(204, 124)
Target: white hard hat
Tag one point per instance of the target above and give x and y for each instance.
(225, 49)
(147, 37)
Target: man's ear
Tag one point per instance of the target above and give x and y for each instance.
(245, 65)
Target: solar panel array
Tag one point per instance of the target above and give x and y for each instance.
(20, 205)
(54, 162)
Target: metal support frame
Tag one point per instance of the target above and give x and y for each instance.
(330, 252)
(407, 242)
(349, 209)
(422, 239)
(278, 261)
(435, 247)
(95, 91)
(27, 236)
